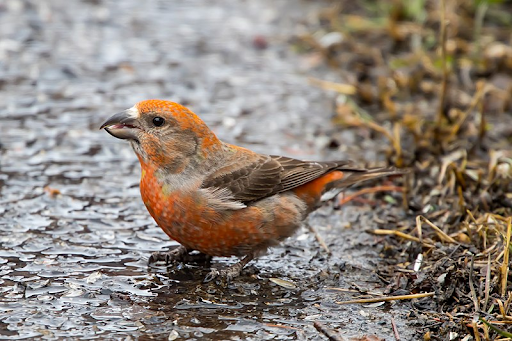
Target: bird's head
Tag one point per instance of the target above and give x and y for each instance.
(163, 133)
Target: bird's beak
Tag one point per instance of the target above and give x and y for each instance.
(123, 125)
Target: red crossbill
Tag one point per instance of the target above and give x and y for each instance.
(218, 198)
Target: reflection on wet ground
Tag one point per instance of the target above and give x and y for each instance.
(75, 236)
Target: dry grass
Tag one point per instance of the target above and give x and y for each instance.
(434, 79)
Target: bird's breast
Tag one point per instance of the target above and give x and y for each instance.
(186, 216)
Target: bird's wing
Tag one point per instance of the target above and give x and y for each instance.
(297, 172)
(247, 181)
(266, 175)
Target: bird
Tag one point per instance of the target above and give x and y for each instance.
(218, 198)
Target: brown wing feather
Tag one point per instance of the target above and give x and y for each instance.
(267, 175)
(297, 172)
(258, 179)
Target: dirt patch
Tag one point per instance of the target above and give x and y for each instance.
(433, 81)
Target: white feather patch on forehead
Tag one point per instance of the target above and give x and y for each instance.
(133, 112)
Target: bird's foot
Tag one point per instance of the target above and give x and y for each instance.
(179, 254)
(175, 255)
(230, 272)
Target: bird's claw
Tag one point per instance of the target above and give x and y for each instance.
(225, 274)
(175, 255)
(214, 273)
(228, 273)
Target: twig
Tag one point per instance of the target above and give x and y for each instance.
(461, 202)
(481, 90)
(396, 144)
(472, 285)
(504, 266)
(341, 88)
(319, 238)
(395, 329)
(375, 189)
(389, 298)
(401, 235)
(501, 308)
(487, 282)
(419, 229)
(359, 291)
(280, 326)
(507, 303)
(406, 191)
(330, 333)
(343, 289)
(475, 329)
(486, 329)
(442, 235)
(356, 121)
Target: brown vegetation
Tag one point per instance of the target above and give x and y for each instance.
(434, 78)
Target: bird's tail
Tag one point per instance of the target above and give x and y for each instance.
(352, 176)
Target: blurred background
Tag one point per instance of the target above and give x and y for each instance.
(422, 84)
(83, 60)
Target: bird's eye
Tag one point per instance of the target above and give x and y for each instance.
(158, 121)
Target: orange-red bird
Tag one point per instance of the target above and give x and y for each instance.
(218, 198)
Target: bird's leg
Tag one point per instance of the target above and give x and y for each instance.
(175, 255)
(230, 272)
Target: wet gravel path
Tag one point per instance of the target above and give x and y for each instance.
(74, 235)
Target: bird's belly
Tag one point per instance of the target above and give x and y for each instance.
(229, 237)
(233, 233)
(187, 218)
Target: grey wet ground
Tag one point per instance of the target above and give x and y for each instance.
(74, 235)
